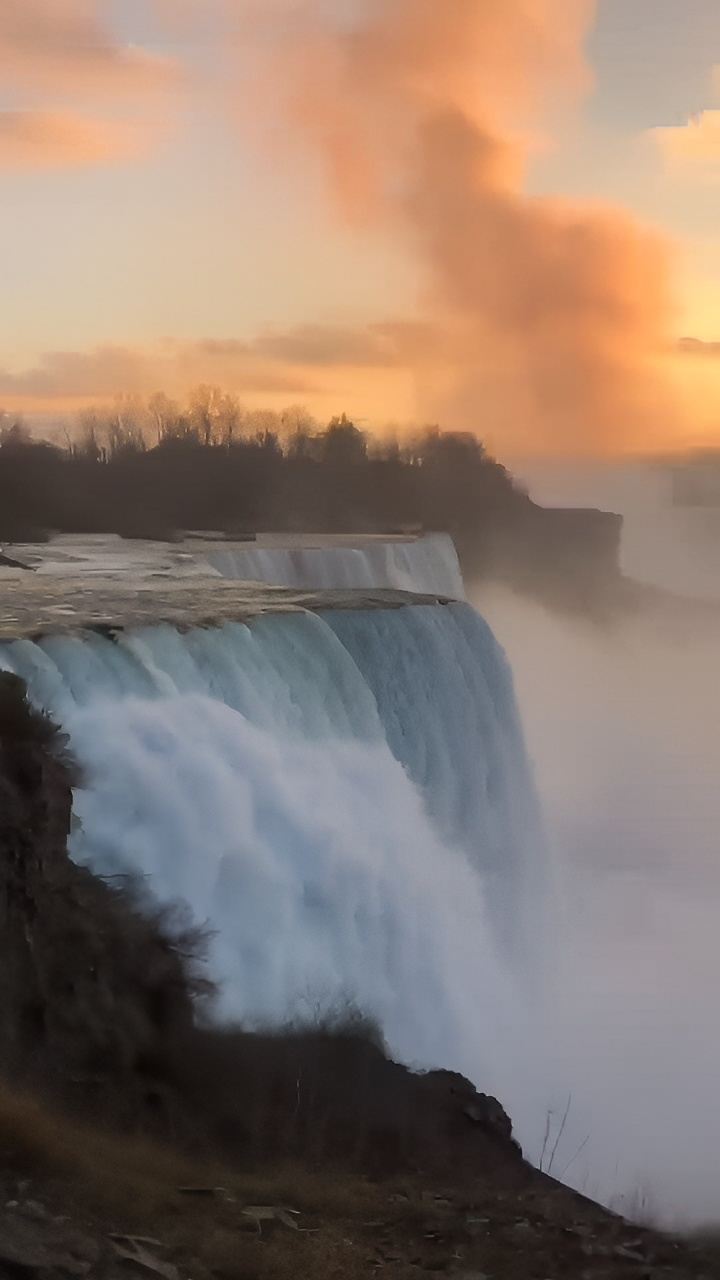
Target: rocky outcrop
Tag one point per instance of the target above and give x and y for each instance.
(561, 555)
(333, 1093)
(89, 987)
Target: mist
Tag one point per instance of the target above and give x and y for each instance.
(664, 544)
(550, 316)
(623, 728)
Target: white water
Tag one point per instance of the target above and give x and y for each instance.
(427, 565)
(623, 725)
(345, 799)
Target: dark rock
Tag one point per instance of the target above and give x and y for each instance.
(89, 988)
(27, 1248)
(8, 562)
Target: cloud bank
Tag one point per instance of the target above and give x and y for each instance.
(111, 369)
(297, 360)
(34, 140)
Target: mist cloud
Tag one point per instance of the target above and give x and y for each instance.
(551, 316)
(632, 812)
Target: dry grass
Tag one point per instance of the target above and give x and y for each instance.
(347, 1227)
(114, 1172)
(114, 1182)
(130, 1183)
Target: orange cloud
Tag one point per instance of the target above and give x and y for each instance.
(60, 140)
(59, 59)
(300, 360)
(550, 317)
(51, 45)
(172, 366)
(316, 365)
(694, 146)
(378, 346)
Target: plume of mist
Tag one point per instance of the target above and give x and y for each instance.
(622, 728)
(550, 317)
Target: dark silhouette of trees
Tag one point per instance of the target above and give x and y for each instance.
(150, 468)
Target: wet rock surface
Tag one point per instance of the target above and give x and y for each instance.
(37, 606)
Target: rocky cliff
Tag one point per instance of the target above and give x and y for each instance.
(89, 987)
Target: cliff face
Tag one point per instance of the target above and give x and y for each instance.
(563, 555)
(88, 988)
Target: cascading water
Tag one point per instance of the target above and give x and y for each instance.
(343, 797)
(427, 565)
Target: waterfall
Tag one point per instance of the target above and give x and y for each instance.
(343, 797)
(427, 565)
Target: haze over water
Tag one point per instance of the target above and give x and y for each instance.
(623, 728)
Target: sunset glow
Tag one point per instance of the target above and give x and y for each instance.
(485, 213)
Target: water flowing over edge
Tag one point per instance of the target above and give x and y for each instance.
(345, 799)
(427, 565)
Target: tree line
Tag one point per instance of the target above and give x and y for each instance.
(150, 468)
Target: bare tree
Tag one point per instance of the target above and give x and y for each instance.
(205, 411)
(164, 413)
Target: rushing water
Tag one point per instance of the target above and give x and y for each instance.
(344, 798)
(428, 565)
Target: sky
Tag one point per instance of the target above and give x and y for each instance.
(500, 215)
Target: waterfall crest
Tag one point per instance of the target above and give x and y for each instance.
(427, 565)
